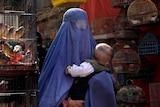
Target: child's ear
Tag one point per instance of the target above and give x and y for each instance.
(106, 64)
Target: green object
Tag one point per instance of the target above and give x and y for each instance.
(13, 43)
(48, 44)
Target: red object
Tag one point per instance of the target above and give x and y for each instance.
(18, 57)
(132, 66)
(99, 9)
(11, 62)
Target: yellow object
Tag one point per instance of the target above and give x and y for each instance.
(57, 3)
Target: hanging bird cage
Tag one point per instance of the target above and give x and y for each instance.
(120, 3)
(145, 71)
(142, 12)
(121, 21)
(57, 3)
(126, 60)
(149, 45)
(130, 95)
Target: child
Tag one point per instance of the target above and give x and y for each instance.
(101, 61)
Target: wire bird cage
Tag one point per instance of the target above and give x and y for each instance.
(142, 12)
(126, 60)
(130, 95)
(120, 3)
(145, 72)
(18, 54)
(149, 45)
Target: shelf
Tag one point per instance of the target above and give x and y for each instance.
(15, 12)
(103, 36)
(11, 70)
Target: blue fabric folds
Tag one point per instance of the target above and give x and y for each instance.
(101, 91)
(73, 43)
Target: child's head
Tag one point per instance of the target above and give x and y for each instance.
(103, 54)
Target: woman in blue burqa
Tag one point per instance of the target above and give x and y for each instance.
(72, 44)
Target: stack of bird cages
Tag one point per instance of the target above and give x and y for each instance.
(18, 53)
(142, 12)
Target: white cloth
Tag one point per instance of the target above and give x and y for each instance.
(83, 70)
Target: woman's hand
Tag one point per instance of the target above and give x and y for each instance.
(75, 103)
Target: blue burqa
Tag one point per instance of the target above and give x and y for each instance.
(73, 43)
(101, 91)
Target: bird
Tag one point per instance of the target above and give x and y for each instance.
(3, 30)
(135, 22)
(19, 32)
(27, 57)
(8, 50)
(17, 48)
(11, 32)
(3, 58)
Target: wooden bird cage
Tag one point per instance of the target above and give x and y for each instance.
(120, 3)
(67, 3)
(142, 12)
(126, 60)
(121, 21)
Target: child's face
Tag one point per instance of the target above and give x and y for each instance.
(103, 59)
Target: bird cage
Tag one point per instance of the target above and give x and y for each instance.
(17, 34)
(121, 21)
(120, 3)
(126, 60)
(145, 71)
(142, 12)
(57, 3)
(130, 95)
(18, 53)
(149, 45)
